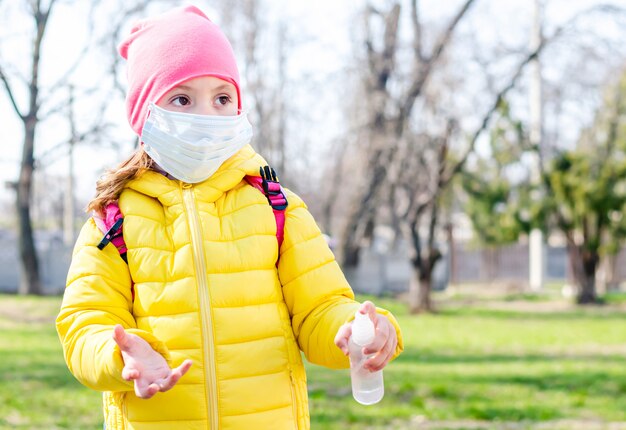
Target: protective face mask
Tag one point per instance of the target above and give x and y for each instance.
(192, 147)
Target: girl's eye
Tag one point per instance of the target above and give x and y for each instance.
(223, 100)
(181, 101)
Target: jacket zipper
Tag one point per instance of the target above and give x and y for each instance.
(205, 304)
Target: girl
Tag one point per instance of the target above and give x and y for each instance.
(211, 283)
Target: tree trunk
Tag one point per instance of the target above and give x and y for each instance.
(451, 252)
(29, 267)
(350, 255)
(419, 291)
(584, 264)
(361, 217)
(611, 283)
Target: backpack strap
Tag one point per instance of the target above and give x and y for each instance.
(268, 184)
(111, 225)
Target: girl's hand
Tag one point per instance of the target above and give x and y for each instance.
(384, 344)
(146, 367)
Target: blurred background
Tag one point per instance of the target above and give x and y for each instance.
(465, 158)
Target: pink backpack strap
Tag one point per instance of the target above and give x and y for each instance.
(110, 223)
(268, 184)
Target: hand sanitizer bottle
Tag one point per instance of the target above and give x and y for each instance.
(367, 387)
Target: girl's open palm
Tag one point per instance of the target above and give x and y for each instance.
(146, 367)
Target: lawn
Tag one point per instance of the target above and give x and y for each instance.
(489, 365)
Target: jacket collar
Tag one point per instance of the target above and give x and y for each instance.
(246, 162)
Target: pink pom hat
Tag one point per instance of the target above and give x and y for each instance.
(166, 50)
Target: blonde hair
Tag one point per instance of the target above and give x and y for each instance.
(111, 184)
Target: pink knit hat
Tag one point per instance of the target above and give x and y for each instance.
(168, 49)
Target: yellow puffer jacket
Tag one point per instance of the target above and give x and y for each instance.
(203, 261)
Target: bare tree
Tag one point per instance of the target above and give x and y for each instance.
(389, 113)
(41, 107)
(30, 118)
(265, 73)
(429, 156)
(414, 168)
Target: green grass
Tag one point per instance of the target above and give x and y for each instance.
(36, 389)
(615, 297)
(491, 365)
(477, 365)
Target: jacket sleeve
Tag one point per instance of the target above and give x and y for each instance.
(97, 297)
(317, 294)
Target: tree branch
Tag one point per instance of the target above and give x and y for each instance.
(50, 6)
(381, 64)
(500, 96)
(417, 32)
(487, 117)
(423, 73)
(442, 156)
(447, 34)
(369, 45)
(9, 91)
(391, 41)
(63, 80)
(111, 39)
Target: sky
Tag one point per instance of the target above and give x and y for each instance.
(67, 33)
(323, 33)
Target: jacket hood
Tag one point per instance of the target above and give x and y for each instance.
(244, 163)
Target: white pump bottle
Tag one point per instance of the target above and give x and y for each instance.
(367, 387)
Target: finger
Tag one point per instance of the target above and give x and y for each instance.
(120, 337)
(152, 390)
(145, 390)
(183, 368)
(369, 309)
(148, 392)
(342, 336)
(167, 383)
(380, 360)
(141, 389)
(381, 336)
(130, 374)
(177, 373)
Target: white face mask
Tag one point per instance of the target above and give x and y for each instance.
(192, 147)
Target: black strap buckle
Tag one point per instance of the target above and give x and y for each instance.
(111, 234)
(272, 188)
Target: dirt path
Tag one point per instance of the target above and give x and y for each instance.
(420, 423)
(16, 310)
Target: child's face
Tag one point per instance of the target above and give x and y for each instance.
(205, 95)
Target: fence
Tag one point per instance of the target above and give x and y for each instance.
(53, 256)
(379, 272)
(390, 272)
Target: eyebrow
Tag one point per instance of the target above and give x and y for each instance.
(224, 87)
(188, 88)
